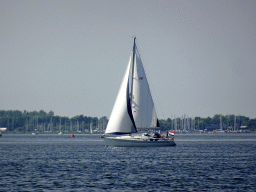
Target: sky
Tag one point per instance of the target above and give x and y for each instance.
(70, 56)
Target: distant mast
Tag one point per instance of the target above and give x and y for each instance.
(91, 127)
(60, 124)
(234, 123)
(220, 122)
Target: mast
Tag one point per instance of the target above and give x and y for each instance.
(60, 124)
(220, 122)
(234, 123)
(133, 56)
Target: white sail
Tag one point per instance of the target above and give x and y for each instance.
(143, 109)
(120, 120)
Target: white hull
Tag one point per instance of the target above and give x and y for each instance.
(133, 142)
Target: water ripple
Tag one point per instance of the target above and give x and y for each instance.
(83, 163)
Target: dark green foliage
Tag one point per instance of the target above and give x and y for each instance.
(15, 120)
(42, 121)
(209, 123)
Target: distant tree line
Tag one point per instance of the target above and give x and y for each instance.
(18, 121)
(227, 122)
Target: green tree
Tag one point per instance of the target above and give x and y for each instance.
(252, 124)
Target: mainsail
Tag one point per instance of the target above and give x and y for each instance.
(120, 121)
(134, 107)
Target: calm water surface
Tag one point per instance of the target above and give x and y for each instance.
(207, 162)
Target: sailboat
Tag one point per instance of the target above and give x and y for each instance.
(34, 132)
(91, 128)
(134, 109)
(60, 133)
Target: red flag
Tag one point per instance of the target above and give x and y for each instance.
(171, 132)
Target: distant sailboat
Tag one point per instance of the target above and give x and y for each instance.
(60, 133)
(91, 128)
(2, 129)
(134, 109)
(34, 132)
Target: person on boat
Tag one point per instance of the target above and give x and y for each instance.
(156, 135)
(166, 134)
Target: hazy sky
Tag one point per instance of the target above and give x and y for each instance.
(70, 56)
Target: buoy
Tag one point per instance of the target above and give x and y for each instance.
(72, 135)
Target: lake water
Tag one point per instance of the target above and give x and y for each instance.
(206, 162)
